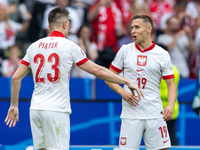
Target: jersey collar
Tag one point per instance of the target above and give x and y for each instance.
(56, 34)
(147, 49)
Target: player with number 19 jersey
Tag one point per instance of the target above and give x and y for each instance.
(51, 60)
(145, 69)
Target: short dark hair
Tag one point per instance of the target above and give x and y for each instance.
(57, 13)
(144, 17)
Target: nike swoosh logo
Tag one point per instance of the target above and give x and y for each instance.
(139, 70)
(165, 141)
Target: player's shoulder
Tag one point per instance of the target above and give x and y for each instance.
(161, 49)
(35, 43)
(70, 43)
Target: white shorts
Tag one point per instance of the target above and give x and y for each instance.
(154, 132)
(50, 129)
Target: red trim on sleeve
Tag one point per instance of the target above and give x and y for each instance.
(115, 69)
(25, 63)
(168, 77)
(82, 61)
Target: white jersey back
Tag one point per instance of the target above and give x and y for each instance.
(51, 60)
(145, 69)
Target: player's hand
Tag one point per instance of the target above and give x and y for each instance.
(133, 87)
(12, 116)
(168, 112)
(130, 98)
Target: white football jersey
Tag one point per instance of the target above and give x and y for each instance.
(51, 60)
(145, 69)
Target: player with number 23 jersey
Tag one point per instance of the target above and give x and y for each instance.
(51, 62)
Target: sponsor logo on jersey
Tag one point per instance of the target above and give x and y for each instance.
(165, 141)
(142, 60)
(123, 141)
(138, 70)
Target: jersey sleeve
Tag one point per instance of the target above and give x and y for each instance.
(117, 63)
(26, 59)
(167, 70)
(78, 55)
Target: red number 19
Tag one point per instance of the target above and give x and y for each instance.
(143, 81)
(164, 129)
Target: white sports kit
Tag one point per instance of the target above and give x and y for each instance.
(51, 60)
(145, 69)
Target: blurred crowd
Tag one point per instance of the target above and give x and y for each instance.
(101, 27)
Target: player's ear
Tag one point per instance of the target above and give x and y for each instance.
(67, 24)
(64, 24)
(149, 29)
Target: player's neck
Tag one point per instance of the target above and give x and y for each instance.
(61, 31)
(145, 44)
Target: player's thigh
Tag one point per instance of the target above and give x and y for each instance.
(56, 128)
(131, 134)
(36, 129)
(156, 135)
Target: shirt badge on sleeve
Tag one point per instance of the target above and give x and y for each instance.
(82, 52)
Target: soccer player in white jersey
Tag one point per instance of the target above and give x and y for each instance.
(145, 64)
(51, 60)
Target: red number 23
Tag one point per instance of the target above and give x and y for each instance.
(55, 67)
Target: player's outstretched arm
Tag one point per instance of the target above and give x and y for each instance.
(127, 96)
(105, 74)
(13, 112)
(169, 109)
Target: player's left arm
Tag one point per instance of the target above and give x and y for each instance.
(13, 112)
(169, 110)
